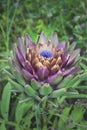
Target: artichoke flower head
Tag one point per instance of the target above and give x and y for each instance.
(46, 60)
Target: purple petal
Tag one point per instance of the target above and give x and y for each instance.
(28, 66)
(70, 71)
(29, 43)
(19, 57)
(27, 75)
(15, 65)
(75, 52)
(53, 77)
(61, 45)
(54, 38)
(70, 61)
(73, 56)
(72, 47)
(65, 60)
(42, 73)
(42, 39)
(21, 46)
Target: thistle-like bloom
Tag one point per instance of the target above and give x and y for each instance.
(46, 60)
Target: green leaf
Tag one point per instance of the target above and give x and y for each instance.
(35, 85)
(76, 95)
(58, 93)
(6, 101)
(27, 119)
(19, 78)
(44, 101)
(45, 90)
(16, 86)
(82, 87)
(16, 74)
(63, 118)
(84, 58)
(77, 113)
(9, 74)
(70, 82)
(0, 107)
(74, 82)
(71, 93)
(17, 128)
(83, 77)
(21, 109)
(58, 79)
(55, 123)
(83, 66)
(65, 82)
(2, 127)
(61, 99)
(29, 90)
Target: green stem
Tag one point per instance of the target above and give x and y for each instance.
(7, 27)
(45, 121)
(11, 123)
(37, 115)
(8, 122)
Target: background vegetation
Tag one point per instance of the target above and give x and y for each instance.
(69, 19)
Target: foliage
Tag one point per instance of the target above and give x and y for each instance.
(20, 108)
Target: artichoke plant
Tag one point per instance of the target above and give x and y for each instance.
(44, 61)
(41, 72)
(43, 66)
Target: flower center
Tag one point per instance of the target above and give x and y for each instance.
(46, 54)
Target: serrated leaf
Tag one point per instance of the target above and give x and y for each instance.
(6, 101)
(45, 90)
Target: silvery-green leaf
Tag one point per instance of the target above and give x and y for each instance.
(6, 101)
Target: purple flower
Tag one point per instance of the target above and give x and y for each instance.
(46, 60)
